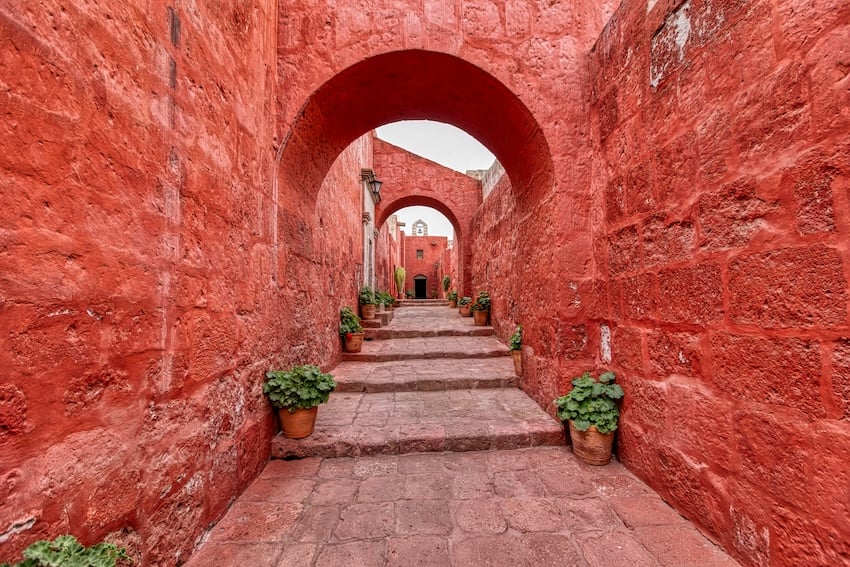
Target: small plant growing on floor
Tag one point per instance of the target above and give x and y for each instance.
(452, 296)
(516, 339)
(366, 296)
(349, 322)
(300, 387)
(464, 301)
(67, 551)
(591, 402)
(482, 302)
(447, 282)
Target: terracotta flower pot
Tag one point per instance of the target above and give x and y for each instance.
(465, 310)
(353, 342)
(517, 354)
(453, 304)
(367, 311)
(590, 446)
(298, 424)
(479, 318)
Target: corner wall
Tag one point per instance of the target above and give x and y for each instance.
(722, 175)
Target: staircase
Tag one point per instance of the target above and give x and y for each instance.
(429, 381)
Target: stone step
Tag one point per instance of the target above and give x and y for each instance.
(423, 302)
(354, 424)
(395, 333)
(425, 375)
(429, 347)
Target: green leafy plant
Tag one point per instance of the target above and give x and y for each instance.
(384, 298)
(447, 282)
(516, 339)
(300, 387)
(400, 275)
(452, 296)
(366, 296)
(349, 322)
(464, 301)
(410, 294)
(482, 302)
(591, 402)
(67, 551)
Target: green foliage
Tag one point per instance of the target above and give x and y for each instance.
(400, 275)
(384, 298)
(66, 551)
(516, 339)
(482, 302)
(300, 387)
(410, 294)
(591, 402)
(464, 301)
(452, 296)
(349, 322)
(447, 282)
(366, 296)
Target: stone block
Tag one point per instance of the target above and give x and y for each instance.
(639, 296)
(667, 242)
(624, 251)
(731, 216)
(691, 295)
(778, 371)
(674, 353)
(627, 348)
(791, 287)
(640, 193)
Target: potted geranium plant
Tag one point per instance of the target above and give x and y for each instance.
(350, 330)
(592, 412)
(366, 299)
(515, 344)
(464, 306)
(452, 297)
(481, 309)
(297, 393)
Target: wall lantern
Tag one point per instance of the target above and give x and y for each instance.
(369, 177)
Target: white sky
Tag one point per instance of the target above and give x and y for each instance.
(441, 143)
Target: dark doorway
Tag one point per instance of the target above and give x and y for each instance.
(420, 287)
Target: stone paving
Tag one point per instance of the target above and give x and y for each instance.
(430, 460)
(510, 508)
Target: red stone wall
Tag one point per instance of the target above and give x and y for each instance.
(388, 255)
(429, 266)
(411, 180)
(150, 269)
(721, 183)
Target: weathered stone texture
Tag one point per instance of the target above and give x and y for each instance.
(741, 109)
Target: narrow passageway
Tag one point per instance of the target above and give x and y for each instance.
(428, 454)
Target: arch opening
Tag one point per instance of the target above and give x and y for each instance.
(416, 84)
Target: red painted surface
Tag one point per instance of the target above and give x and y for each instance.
(410, 180)
(723, 222)
(430, 265)
(157, 254)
